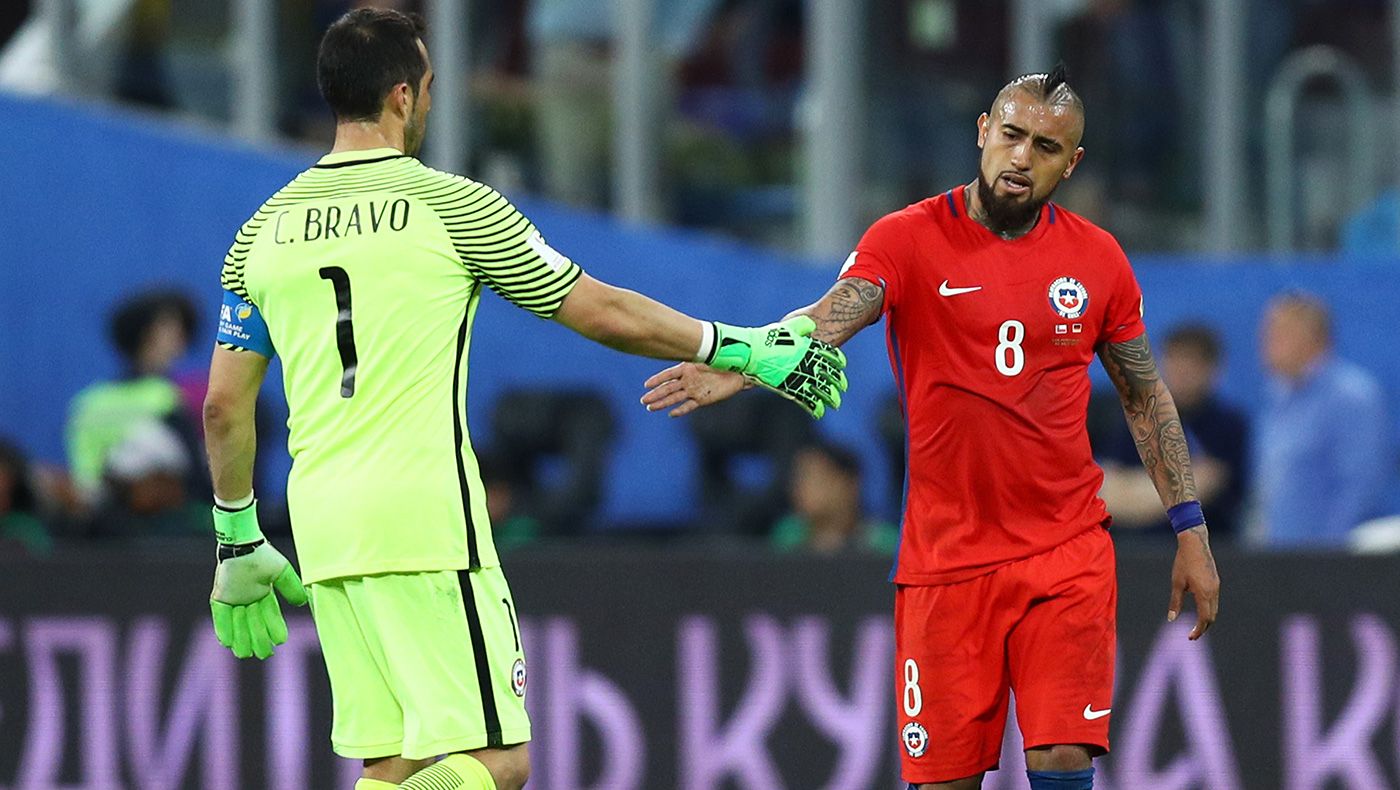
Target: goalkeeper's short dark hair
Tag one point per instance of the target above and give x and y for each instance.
(363, 55)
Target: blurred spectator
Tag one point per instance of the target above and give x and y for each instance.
(20, 529)
(1216, 431)
(1322, 451)
(151, 331)
(827, 515)
(732, 148)
(510, 528)
(140, 68)
(571, 49)
(146, 487)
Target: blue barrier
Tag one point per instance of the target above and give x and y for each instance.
(99, 203)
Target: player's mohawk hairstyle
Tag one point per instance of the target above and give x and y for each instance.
(1051, 88)
(1058, 76)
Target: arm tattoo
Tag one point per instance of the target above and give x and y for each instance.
(851, 305)
(1152, 418)
(1203, 535)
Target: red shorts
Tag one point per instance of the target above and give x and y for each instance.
(1042, 627)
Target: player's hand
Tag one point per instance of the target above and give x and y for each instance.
(247, 618)
(688, 386)
(1194, 572)
(785, 358)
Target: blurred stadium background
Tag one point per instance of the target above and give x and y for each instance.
(723, 155)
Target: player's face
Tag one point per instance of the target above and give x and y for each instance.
(417, 124)
(1028, 148)
(1289, 341)
(165, 342)
(819, 488)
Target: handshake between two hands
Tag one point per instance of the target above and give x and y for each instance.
(782, 357)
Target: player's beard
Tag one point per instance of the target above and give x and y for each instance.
(1004, 214)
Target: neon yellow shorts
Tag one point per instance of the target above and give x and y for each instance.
(418, 669)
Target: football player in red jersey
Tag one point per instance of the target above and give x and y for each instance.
(996, 302)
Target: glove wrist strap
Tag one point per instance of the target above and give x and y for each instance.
(227, 552)
(237, 527)
(709, 341)
(732, 351)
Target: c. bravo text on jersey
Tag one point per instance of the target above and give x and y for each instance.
(333, 222)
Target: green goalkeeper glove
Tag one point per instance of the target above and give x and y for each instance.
(785, 358)
(247, 617)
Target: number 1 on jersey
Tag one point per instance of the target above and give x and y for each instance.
(344, 327)
(1010, 336)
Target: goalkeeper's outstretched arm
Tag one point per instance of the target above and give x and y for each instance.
(782, 357)
(630, 322)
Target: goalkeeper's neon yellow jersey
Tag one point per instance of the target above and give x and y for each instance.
(366, 271)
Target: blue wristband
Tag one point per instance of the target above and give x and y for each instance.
(1185, 516)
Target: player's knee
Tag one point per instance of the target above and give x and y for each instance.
(509, 767)
(515, 774)
(1060, 757)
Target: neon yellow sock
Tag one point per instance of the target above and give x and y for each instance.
(453, 772)
(364, 783)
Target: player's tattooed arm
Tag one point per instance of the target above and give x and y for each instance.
(1161, 441)
(1152, 418)
(851, 305)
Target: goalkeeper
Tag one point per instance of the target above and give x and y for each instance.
(364, 274)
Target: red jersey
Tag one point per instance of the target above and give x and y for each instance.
(990, 342)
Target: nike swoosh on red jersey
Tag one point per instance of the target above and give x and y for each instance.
(944, 290)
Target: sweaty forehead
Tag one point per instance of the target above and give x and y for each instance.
(1057, 120)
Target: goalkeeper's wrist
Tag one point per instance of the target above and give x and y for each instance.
(237, 527)
(709, 341)
(731, 349)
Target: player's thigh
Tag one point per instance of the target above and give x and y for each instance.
(1062, 652)
(454, 660)
(951, 683)
(509, 766)
(367, 721)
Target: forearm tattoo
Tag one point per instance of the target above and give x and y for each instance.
(1203, 536)
(851, 305)
(1152, 418)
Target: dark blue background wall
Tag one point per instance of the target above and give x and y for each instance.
(95, 205)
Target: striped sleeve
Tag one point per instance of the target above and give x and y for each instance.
(235, 261)
(504, 250)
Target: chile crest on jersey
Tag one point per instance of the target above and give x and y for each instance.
(1069, 298)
